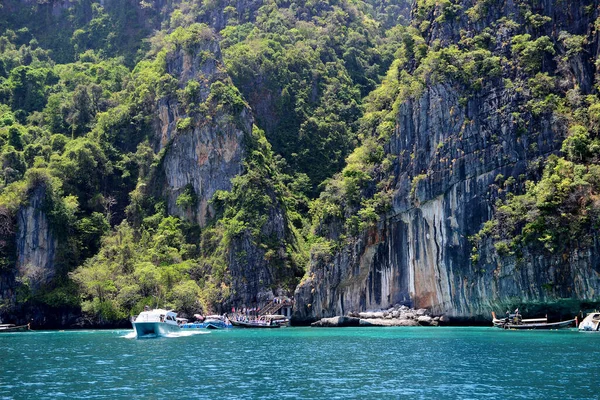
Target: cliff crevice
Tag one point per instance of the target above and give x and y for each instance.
(452, 143)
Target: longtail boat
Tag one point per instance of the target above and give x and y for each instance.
(516, 321)
(255, 323)
(14, 328)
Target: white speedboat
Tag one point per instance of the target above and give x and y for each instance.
(591, 323)
(157, 322)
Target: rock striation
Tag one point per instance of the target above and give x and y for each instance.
(204, 141)
(203, 154)
(449, 145)
(36, 248)
(36, 243)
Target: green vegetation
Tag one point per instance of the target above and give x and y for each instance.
(129, 273)
(324, 84)
(79, 131)
(305, 73)
(85, 27)
(559, 211)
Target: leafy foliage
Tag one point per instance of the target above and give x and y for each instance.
(78, 122)
(559, 210)
(304, 71)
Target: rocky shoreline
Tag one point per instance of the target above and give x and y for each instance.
(395, 316)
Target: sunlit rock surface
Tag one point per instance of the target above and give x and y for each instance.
(449, 145)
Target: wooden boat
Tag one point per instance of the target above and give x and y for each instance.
(256, 323)
(14, 328)
(278, 319)
(547, 325)
(516, 321)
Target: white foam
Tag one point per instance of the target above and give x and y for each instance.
(130, 335)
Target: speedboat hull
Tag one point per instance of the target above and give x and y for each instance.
(591, 323)
(154, 328)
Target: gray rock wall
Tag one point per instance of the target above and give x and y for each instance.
(206, 157)
(256, 277)
(209, 153)
(419, 254)
(36, 248)
(36, 244)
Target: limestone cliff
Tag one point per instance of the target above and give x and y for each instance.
(36, 243)
(205, 136)
(450, 143)
(257, 272)
(203, 148)
(36, 248)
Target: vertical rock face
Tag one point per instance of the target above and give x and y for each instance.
(448, 153)
(206, 158)
(207, 152)
(36, 247)
(205, 139)
(256, 276)
(36, 244)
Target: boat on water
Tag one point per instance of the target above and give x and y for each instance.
(5, 328)
(255, 323)
(591, 323)
(279, 319)
(516, 321)
(156, 322)
(210, 322)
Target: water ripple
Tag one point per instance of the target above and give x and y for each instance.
(301, 363)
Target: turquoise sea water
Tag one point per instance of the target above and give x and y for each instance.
(303, 363)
